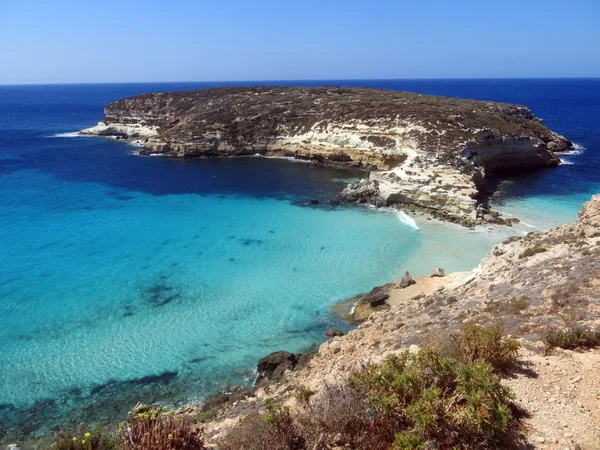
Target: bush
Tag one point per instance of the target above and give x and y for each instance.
(572, 338)
(410, 401)
(274, 431)
(430, 399)
(532, 251)
(483, 344)
(512, 305)
(340, 415)
(85, 440)
(150, 428)
(302, 394)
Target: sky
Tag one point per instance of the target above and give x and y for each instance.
(80, 41)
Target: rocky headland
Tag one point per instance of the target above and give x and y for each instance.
(438, 154)
(533, 286)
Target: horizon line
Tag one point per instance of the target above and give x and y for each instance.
(298, 80)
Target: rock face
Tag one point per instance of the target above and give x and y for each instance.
(430, 152)
(274, 365)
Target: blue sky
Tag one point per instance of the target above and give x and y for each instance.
(66, 41)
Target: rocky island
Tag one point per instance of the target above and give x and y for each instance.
(434, 153)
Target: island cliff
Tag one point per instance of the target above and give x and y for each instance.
(434, 153)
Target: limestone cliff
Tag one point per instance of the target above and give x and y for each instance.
(431, 152)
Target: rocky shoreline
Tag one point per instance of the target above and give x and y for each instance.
(430, 153)
(547, 280)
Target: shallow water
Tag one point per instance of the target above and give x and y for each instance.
(127, 278)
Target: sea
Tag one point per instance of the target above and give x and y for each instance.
(128, 279)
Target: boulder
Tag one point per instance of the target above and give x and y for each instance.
(406, 280)
(375, 298)
(333, 333)
(314, 201)
(281, 368)
(438, 272)
(362, 192)
(275, 364)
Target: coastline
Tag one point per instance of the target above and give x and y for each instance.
(447, 168)
(482, 296)
(547, 176)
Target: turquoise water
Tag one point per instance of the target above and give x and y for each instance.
(127, 278)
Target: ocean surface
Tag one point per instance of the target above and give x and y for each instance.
(126, 278)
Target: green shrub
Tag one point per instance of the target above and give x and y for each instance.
(408, 440)
(205, 416)
(427, 397)
(532, 251)
(485, 344)
(86, 439)
(572, 338)
(302, 394)
(149, 428)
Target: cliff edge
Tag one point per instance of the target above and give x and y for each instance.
(432, 152)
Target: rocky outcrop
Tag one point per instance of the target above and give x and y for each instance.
(431, 152)
(273, 366)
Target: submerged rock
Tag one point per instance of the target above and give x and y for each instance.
(333, 333)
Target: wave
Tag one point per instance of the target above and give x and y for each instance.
(579, 149)
(566, 162)
(407, 220)
(401, 215)
(69, 135)
(287, 158)
(527, 224)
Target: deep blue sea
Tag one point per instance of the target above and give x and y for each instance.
(126, 278)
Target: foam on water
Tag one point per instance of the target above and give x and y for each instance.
(406, 219)
(70, 134)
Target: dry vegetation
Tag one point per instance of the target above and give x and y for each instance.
(253, 116)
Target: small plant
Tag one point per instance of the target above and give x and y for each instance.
(513, 305)
(274, 431)
(205, 416)
(86, 439)
(276, 412)
(532, 251)
(302, 394)
(483, 344)
(572, 338)
(149, 428)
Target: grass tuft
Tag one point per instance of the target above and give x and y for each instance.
(572, 338)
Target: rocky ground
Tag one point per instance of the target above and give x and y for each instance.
(434, 153)
(546, 280)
